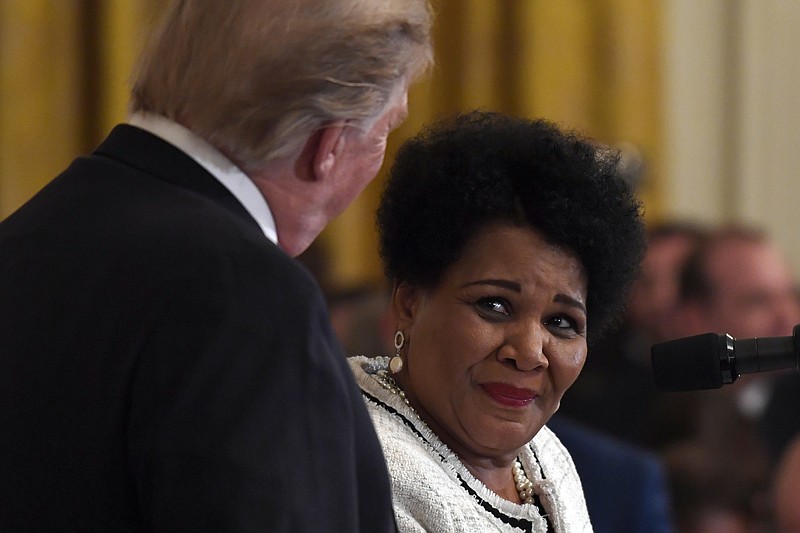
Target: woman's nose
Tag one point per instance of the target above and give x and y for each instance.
(524, 347)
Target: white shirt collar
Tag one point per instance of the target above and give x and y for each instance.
(211, 159)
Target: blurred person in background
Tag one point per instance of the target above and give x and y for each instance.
(360, 317)
(615, 393)
(786, 490)
(779, 423)
(654, 299)
(625, 485)
(710, 495)
(737, 281)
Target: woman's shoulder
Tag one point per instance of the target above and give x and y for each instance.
(548, 448)
(398, 427)
(364, 367)
(557, 480)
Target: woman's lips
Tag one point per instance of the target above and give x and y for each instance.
(509, 395)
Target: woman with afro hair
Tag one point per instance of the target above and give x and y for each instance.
(510, 244)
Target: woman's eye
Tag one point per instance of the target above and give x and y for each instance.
(494, 305)
(562, 322)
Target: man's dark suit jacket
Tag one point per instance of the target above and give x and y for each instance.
(164, 366)
(625, 487)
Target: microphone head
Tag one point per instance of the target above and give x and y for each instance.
(690, 363)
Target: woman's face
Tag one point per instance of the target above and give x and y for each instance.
(492, 348)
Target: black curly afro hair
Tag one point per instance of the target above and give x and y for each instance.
(458, 175)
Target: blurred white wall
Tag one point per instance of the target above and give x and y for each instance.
(732, 114)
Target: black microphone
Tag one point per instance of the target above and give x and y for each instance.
(710, 361)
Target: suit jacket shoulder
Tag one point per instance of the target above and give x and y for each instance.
(168, 366)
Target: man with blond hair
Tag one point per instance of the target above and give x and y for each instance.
(166, 364)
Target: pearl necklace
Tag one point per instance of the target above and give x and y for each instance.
(388, 383)
(521, 481)
(524, 485)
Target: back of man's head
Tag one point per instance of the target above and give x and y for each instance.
(256, 77)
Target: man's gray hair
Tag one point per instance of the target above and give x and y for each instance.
(256, 77)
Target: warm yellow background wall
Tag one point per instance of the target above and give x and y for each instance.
(587, 64)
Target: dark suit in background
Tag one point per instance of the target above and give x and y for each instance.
(625, 487)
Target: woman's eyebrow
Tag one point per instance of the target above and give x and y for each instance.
(506, 284)
(569, 300)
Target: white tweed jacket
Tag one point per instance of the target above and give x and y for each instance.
(433, 491)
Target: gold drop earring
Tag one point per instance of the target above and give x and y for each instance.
(396, 363)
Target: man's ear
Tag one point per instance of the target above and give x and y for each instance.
(405, 298)
(320, 152)
(331, 143)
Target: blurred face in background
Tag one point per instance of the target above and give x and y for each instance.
(753, 291)
(655, 293)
